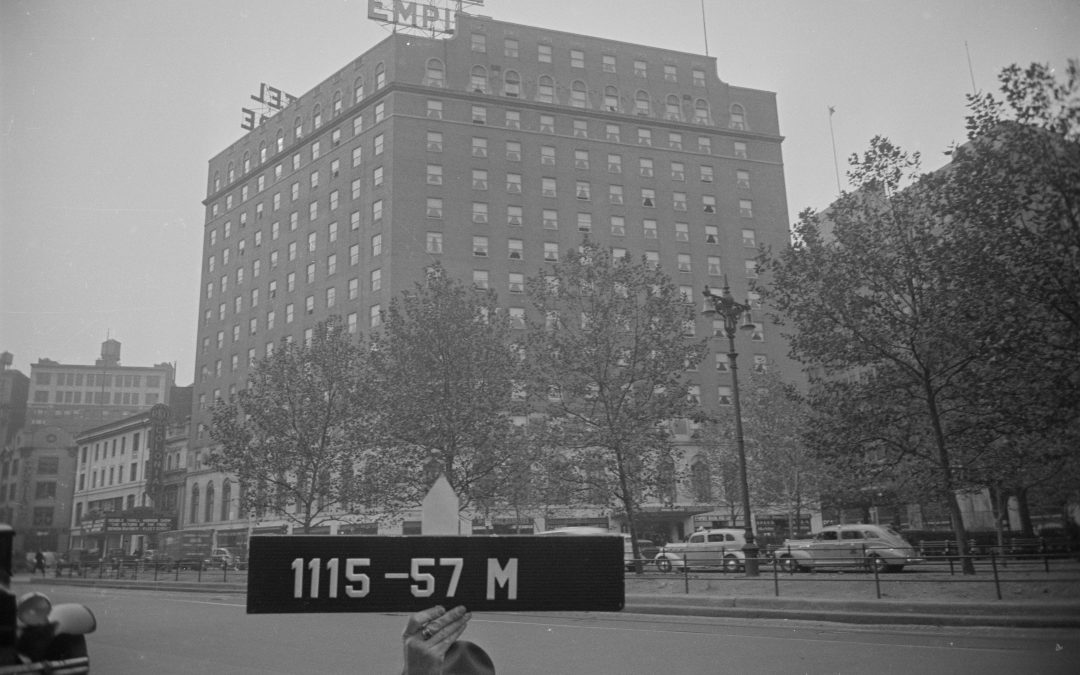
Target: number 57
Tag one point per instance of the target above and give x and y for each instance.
(425, 581)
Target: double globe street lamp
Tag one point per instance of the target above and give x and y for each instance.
(725, 307)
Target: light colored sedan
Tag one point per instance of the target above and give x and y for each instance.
(854, 545)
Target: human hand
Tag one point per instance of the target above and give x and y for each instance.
(428, 634)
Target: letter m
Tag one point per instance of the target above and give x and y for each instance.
(505, 577)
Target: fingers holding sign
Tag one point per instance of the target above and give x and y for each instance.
(428, 635)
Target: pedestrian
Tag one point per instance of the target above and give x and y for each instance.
(432, 647)
(39, 563)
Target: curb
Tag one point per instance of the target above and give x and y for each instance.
(1063, 614)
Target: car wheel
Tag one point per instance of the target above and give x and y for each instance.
(663, 564)
(875, 562)
(788, 564)
(732, 564)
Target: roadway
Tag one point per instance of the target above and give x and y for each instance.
(168, 632)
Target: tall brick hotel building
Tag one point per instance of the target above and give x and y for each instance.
(492, 150)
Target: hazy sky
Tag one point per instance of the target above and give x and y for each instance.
(111, 110)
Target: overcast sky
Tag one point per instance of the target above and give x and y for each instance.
(111, 110)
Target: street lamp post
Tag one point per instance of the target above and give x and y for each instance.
(725, 307)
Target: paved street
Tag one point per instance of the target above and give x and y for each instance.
(160, 632)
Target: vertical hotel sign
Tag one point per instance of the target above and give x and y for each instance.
(420, 16)
(155, 477)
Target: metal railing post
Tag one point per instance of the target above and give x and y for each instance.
(776, 576)
(686, 576)
(993, 566)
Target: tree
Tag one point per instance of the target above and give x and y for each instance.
(868, 291)
(1014, 201)
(782, 470)
(446, 365)
(295, 434)
(608, 358)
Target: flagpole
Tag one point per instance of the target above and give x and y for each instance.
(836, 162)
(704, 28)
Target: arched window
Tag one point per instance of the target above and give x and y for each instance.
(512, 84)
(545, 90)
(578, 94)
(217, 181)
(737, 119)
(701, 111)
(247, 162)
(232, 173)
(209, 501)
(298, 129)
(672, 109)
(279, 143)
(262, 152)
(337, 104)
(380, 76)
(226, 499)
(478, 80)
(316, 116)
(194, 504)
(358, 89)
(700, 480)
(666, 481)
(611, 99)
(434, 75)
(641, 103)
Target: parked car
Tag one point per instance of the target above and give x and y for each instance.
(854, 545)
(220, 558)
(718, 548)
(646, 548)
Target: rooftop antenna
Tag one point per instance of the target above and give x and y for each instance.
(704, 28)
(971, 71)
(836, 162)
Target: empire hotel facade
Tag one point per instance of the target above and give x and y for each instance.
(492, 151)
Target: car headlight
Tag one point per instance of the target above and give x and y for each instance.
(34, 609)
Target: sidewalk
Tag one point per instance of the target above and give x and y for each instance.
(1041, 613)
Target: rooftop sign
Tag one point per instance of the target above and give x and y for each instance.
(419, 16)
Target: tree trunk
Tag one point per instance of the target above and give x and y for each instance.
(947, 486)
(1027, 529)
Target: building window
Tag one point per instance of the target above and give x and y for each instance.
(682, 232)
(550, 219)
(434, 141)
(479, 114)
(434, 174)
(479, 179)
(478, 43)
(434, 109)
(611, 99)
(514, 216)
(648, 197)
(679, 201)
(513, 151)
(480, 247)
(581, 129)
(671, 73)
(577, 58)
(583, 190)
(645, 167)
(512, 84)
(704, 145)
(480, 212)
(708, 203)
(672, 108)
(547, 187)
(545, 89)
(513, 183)
(511, 48)
(547, 124)
(513, 119)
(607, 63)
(737, 117)
(579, 97)
(614, 163)
(543, 53)
(748, 239)
(584, 222)
(618, 226)
(378, 141)
(678, 171)
(376, 280)
(713, 263)
(649, 228)
(516, 282)
(376, 245)
(434, 207)
(478, 80)
(434, 242)
(751, 268)
(551, 252)
(516, 249)
(746, 208)
(712, 234)
(642, 105)
(480, 279)
(380, 76)
(479, 147)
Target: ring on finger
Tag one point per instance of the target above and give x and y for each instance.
(426, 633)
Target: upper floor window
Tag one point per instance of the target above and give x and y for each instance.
(478, 42)
(512, 84)
(640, 69)
(577, 58)
(434, 109)
(380, 76)
(698, 77)
(511, 48)
(358, 89)
(737, 117)
(611, 99)
(545, 90)
(478, 80)
(641, 103)
(434, 75)
(607, 63)
(672, 108)
(701, 111)
(543, 53)
(671, 73)
(578, 94)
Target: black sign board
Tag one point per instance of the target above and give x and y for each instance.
(291, 574)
